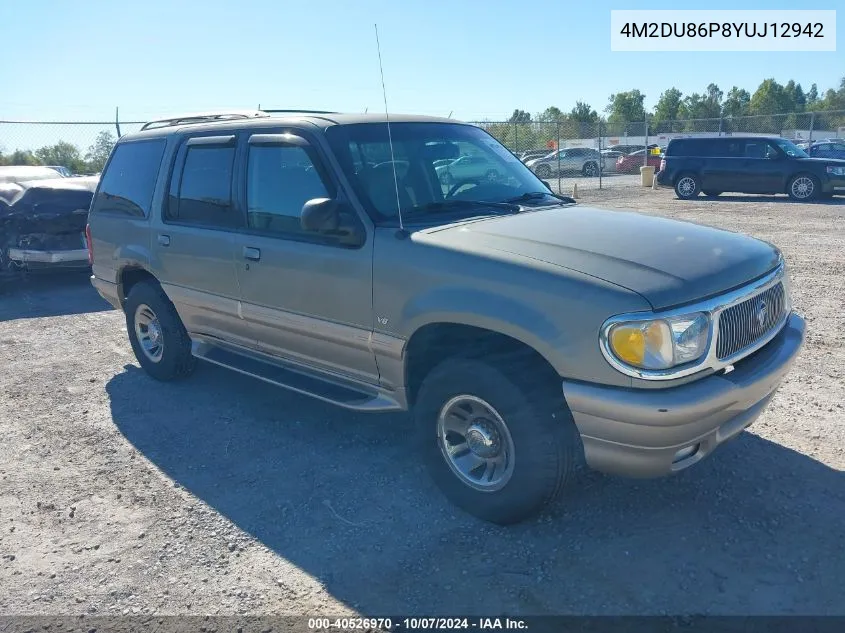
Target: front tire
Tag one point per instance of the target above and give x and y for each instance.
(498, 447)
(686, 187)
(543, 171)
(156, 333)
(804, 187)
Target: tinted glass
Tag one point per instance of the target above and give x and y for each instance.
(363, 151)
(205, 191)
(789, 148)
(280, 180)
(129, 180)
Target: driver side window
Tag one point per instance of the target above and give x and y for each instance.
(280, 180)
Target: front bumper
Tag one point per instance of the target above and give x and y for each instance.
(834, 184)
(639, 432)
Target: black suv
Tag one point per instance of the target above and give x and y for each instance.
(753, 164)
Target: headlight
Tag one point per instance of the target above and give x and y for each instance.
(836, 170)
(657, 344)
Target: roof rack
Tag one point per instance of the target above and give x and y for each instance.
(204, 117)
(298, 111)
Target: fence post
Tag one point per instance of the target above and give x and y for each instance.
(645, 153)
(515, 136)
(557, 148)
(720, 125)
(601, 158)
(812, 122)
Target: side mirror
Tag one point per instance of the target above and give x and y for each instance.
(331, 218)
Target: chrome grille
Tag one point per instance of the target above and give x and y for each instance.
(744, 324)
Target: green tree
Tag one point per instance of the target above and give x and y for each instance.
(19, 157)
(796, 96)
(812, 95)
(736, 103)
(62, 153)
(583, 113)
(99, 152)
(667, 110)
(626, 107)
(769, 98)
(551, 114)
(520, 116)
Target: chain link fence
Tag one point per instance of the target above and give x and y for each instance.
(80, 146)
(565, 153)
(574, 155)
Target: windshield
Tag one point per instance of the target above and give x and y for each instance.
(438, 166)
(790, 148)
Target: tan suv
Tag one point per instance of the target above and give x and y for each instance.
(321, 253)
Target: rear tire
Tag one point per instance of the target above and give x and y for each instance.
(687, 187)
(590, 169)
(803, 187)
(506, 426)
(156, 333)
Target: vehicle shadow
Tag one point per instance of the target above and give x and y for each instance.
(756, 528)
(47, 294)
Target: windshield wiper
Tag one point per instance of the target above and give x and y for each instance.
(536, 195)
(445, 206)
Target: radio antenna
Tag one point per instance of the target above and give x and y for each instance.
(389, 136)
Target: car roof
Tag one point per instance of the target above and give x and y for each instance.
(732, 137)
(321, 120)
(19, 173)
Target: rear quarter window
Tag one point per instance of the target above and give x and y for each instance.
(127, 184)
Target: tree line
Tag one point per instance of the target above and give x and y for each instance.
(66, 154)
(774, 106)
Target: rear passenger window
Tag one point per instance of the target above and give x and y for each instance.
(205, 188)
(128, 182)
(280, 180)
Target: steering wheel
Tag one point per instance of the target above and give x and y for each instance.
(466, 181)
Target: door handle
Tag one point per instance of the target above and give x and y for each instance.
(164, 240)
(252, 253)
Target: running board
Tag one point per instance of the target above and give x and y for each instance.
(295, 378)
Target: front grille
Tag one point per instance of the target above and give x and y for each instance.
(743, 324)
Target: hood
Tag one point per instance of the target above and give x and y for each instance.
(819, 160)
(668, 262)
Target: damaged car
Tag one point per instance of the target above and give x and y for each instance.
(42, 224)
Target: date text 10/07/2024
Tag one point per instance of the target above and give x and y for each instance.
(416, 624)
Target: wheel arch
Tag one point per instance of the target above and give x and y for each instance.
(129, 276)
(436, 341)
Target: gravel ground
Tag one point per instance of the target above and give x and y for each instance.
(223, 495)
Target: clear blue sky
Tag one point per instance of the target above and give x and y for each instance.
(79, 60)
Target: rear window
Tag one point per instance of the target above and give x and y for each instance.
(129, 179)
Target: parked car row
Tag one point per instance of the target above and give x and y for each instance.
(586, 161)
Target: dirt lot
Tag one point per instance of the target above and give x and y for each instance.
(225, 495)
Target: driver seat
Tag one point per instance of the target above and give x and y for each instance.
(381, 188)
